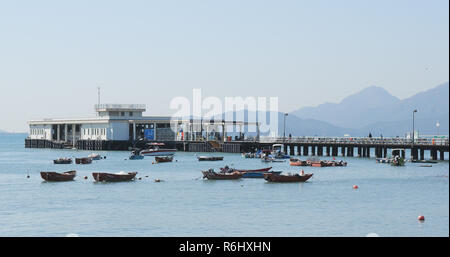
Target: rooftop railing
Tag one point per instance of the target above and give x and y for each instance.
(120, 106)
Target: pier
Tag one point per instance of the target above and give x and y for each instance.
(304, 146)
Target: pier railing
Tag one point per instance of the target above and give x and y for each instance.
(355, 140)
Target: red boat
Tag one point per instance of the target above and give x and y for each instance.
(273, 177)
(84, 160)
(298, 162)
(163, 159)
(211, 174)
(116, 177)
(56, 177)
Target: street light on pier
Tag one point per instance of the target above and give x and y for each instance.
(412, 144)
(437, 126)
(284, 127)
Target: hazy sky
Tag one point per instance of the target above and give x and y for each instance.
(54, 54)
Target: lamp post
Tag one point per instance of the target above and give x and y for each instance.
(284, 127)
(412, 145)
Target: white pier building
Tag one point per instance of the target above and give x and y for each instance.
(125, 122)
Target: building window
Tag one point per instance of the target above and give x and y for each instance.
(131, 113)
(122, 113)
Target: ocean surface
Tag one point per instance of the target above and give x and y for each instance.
(387, 203)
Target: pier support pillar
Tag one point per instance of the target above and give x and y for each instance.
(385, 150)
(343, 151)
(291, 150)
(349, 151)
(313, 150)
(320, 150)
(328, 150)
(414, 153)
(58, 132)
(422, 154)
(441, 155)
(305, 150)
(299, 150)
(368, 152)
(334, 151)
(434, 154)
(74, 141)
(359, 151)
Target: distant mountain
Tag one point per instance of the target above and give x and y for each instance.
(375, 110)
(350, 112)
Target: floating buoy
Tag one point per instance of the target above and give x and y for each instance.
(85, 177)
(421, 218)
(157, 180)
(355, 187)
(28, 176)
(139, 178)
(146, 176)
(153, 162)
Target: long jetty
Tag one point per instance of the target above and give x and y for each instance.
(315, 146)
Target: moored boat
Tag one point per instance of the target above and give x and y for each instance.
(83, 160)
(163, 159)
(63, 161)
(57, 177)
(135, 155)
(297, 162)
(272, 177)
(113, 177)
(157, 149)
(227, 169)
(211, 174)
(94, 156)
(210, 158)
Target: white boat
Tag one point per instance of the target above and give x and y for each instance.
(155, 149)
(95, 156)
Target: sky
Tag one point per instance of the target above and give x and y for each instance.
(54, 54)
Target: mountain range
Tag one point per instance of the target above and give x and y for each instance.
(374, 110)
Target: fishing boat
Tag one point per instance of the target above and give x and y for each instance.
(210, 158)
(424, 161)
(157, 149)
(57, 177)
(211, 174)
(135, 155)
(258, 174)
(114, 177)
(227, 169)
(163, 159)
(94, 156)
(277, 153)
(63, 161)
(270, 159)
(273, 177)
(383, 160)
(83, 160)
(397, 159)
(297, 162)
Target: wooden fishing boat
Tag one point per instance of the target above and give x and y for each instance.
(211, 174)
(317, 164)
(258, 174)
(210, 158)
(113, 177)
(226, 169)
(272, 177)
(268, 159)
(298, 162)
(163, 159)
(63, 161)
(84, 160)
(56, 177)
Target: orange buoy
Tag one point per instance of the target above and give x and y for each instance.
(421, 218)
(355, 187)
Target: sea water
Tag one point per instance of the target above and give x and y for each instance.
(387, 203)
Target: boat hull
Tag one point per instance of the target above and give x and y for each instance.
(284, 178)
(85, 160)
(258, 174)
(110, 177)
(62, 161)
(163, 159)
(221, 176)
(58, 177)
(208, 158)
(160, 152)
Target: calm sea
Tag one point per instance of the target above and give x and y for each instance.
(387, 203)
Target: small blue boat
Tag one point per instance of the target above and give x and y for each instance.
(258, 174)
(136, 156)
